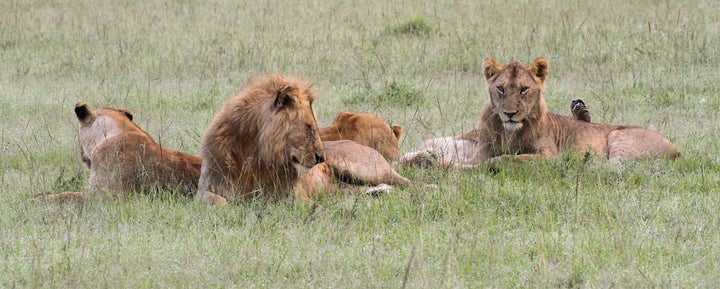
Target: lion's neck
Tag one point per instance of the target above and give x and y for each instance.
(521, 138)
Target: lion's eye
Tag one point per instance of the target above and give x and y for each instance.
(523, 90)
(500, 89)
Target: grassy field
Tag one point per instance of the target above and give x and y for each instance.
(560, 223)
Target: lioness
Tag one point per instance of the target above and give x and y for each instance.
(123, 158)
(515, 124)
(126, 171)
(358, 149)
(349, 166)
(365, 129)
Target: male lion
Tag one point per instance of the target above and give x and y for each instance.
(354, 147)
(123, 158)
(515, 124)
(257, 142)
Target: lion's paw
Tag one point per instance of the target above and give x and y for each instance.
(379, 190)
(214, 200)
(422, 159)
(494, 164)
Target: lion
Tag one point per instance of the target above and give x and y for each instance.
(259, 142)
(358, 150)
(265, 140)
(123, 158)
(348, 167)
(365, 129)
(515, 124)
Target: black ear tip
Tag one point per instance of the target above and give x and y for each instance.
(81, 110)
(127, 113)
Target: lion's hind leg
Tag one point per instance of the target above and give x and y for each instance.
(350, 167)
(445, 152)
(636, 143)
(355, 163)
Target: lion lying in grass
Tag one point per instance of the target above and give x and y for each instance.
(264, 139)
(358, 150)
(123, 158)
(365, 129)
(515, 124)
(259, 141)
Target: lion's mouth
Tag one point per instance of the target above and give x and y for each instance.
(511, 125)
(296, 162)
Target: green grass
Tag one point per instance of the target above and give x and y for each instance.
(560, 223)
(396, 94)
(415, 26)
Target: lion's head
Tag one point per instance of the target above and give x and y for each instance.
(365, 129)
(516, 91)
(261, 139)
(291, 134)
(99, 125)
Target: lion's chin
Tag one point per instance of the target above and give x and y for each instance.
(512, 126)
(299, 167)
(301, 170)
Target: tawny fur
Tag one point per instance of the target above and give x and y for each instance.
(515, 124)
(579, 110)
(358, 150)
(365, 129)
(123, 158)
(256, 143)
(348, 166)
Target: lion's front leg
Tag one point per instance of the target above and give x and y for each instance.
(515, 158)
(211, 199)
(318, 179)
(543, 153)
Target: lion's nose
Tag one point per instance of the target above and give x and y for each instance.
(319, 158)
(510, 114)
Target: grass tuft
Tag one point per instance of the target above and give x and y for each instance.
(413, 26)
(65, 182)
(397, 94)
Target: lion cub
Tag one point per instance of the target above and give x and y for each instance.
(123, 158)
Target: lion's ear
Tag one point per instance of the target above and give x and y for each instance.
(82, 111)
(397, 131)
(540, 67)
(344, 116)
(286, 96)
(491, 67)
(127, 113)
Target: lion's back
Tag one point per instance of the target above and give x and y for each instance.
(132, 161)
